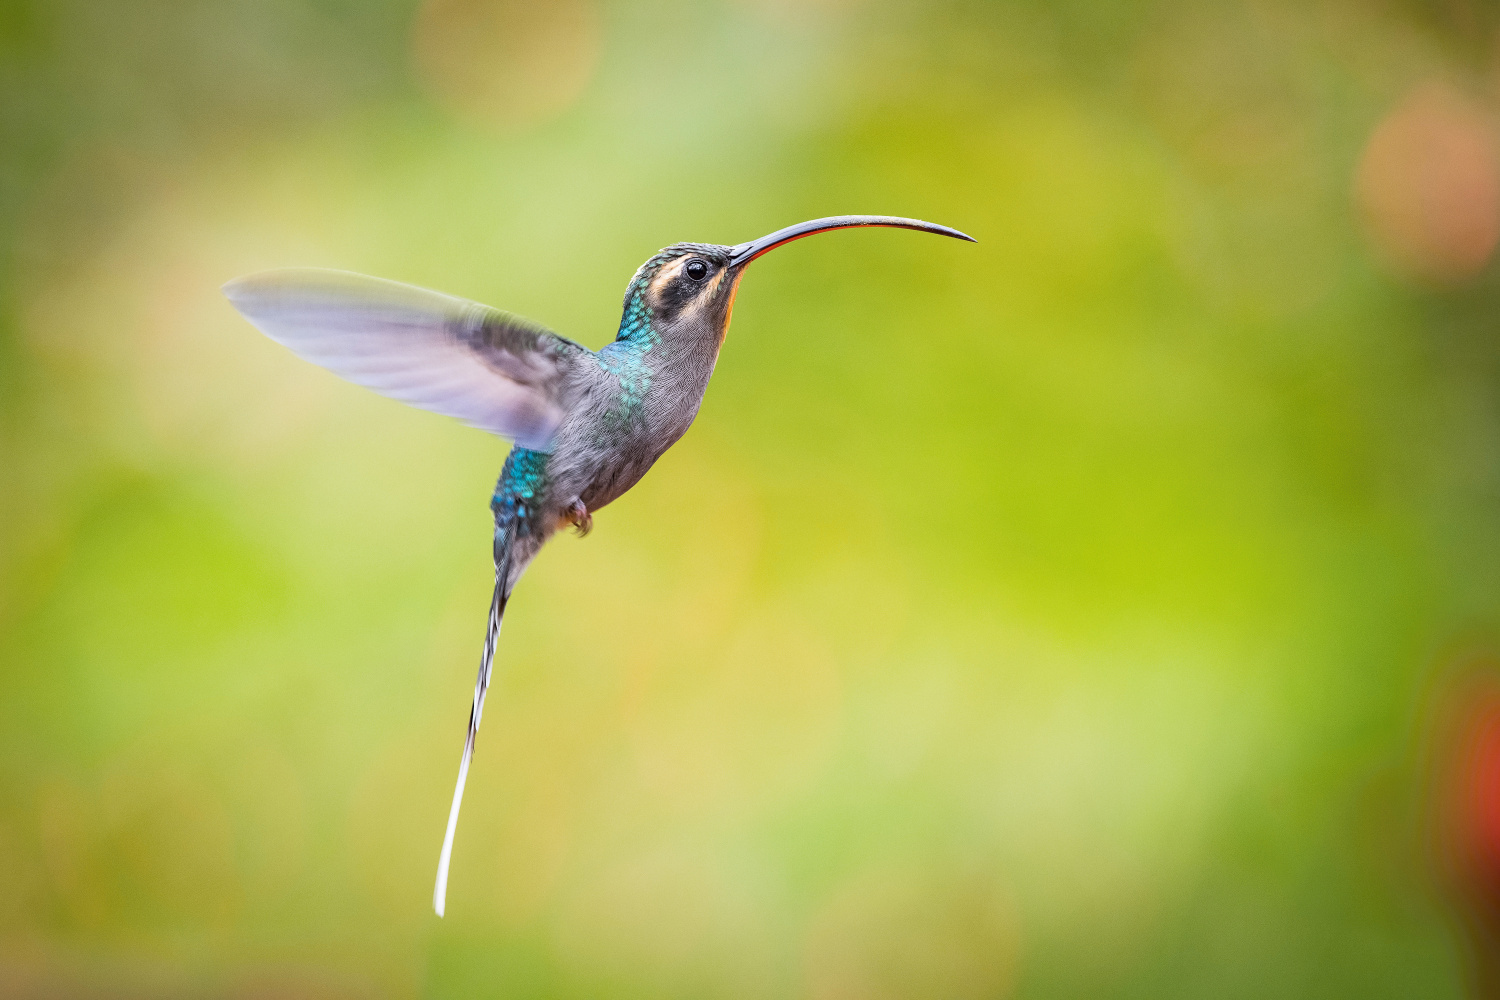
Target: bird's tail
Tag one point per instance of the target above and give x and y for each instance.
(486, 664)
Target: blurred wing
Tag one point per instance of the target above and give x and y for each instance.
(489, 369)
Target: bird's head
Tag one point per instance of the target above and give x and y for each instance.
(687, 290)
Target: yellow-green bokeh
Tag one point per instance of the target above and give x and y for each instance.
(1059, 616)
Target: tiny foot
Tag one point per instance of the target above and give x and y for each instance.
(579, 517)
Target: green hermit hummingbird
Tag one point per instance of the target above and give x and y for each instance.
(586, 425)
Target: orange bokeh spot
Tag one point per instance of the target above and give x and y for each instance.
(504, 62)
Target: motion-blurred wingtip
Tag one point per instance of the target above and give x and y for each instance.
(247, 288)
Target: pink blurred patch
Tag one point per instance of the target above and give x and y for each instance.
(1428, 185)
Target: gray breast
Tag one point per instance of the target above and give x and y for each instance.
(623, 454)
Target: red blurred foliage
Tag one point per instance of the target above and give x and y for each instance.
(1467, 786)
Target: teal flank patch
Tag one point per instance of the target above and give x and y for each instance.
(520, 491)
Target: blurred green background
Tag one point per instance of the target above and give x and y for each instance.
(1069, 615)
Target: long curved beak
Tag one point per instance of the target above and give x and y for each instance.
(746, 252)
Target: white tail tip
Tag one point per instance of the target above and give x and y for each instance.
(440, 890)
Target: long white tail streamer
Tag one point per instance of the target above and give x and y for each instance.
(440, 891)
(481, 686)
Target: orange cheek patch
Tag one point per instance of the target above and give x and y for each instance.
(729, 308)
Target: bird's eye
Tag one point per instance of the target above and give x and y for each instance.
(697, 270)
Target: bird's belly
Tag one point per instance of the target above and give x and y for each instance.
(631, 459)
(624, 454)
(615, 479)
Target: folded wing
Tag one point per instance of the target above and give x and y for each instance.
(490, 369)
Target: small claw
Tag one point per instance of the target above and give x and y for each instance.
(579, 517)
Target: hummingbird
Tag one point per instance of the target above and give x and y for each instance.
(585, 425)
